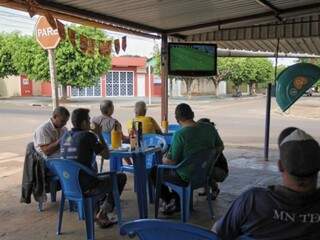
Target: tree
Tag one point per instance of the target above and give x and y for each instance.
(73, 67)
(222, 72)
(258, 70)
(188, 81)
(157, 56)
(6, 64)
(235, 72)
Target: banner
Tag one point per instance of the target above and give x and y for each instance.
(61, 30)
(117, 45)
(51, 20)
(83, 43)
(124, 43)
(72, 37)
(105, 48)
(91, 46)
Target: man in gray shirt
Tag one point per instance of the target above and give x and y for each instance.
(105, 122)
(46, 138)
(287, 211)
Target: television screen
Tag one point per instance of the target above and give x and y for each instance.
(192, 59)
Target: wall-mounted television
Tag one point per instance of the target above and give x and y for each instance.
(192, 59)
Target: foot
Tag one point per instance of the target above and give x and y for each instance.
(171, 207)
(103, 221)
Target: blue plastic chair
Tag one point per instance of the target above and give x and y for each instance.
(68, 172)
(199, 167)
(107, 138)
(150, 140)
(154, 229)
(53, 185)
(173, 128)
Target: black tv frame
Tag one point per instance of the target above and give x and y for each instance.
(192, 73)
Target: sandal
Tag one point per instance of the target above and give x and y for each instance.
(105, 223)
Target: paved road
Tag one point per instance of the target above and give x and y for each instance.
(240, 122)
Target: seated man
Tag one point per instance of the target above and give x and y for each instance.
(193, 137)
(46, 138)
(105, 122)
(287, 211)
(81, 145)
(149, 125)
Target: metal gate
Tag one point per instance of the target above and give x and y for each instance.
(94, 91)
(119, 83)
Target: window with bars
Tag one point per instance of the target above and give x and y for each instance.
(119, 83)
(94, 91)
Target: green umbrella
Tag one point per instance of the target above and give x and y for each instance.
(294, 81)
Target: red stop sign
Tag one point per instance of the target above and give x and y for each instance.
(47, 37)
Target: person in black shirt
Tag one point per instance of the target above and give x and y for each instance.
(81, 145)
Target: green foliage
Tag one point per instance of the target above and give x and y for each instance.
(260, 69)
(29, 58)
(157, 56)
(73, 67)
(234, 68)
(76, 69)
(245, 70)
(6, 63)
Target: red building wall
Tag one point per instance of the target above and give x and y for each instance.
(155, 87)
(25, 86)
(46, 89)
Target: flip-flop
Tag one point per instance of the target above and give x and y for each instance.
(105, 223)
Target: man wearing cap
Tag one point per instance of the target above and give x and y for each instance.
(287, 211)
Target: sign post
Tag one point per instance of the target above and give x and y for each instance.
(49, 38)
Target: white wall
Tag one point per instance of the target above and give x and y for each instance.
(10, 86)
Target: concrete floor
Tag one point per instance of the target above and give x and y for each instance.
(21, 221)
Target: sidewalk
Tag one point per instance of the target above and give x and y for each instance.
(90, 102)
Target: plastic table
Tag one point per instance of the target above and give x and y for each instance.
(139, 172)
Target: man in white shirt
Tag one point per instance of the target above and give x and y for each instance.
(47, 136)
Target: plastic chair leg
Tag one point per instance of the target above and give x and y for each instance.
(61, 208)
(185, 203)
(53, 190)
(116, 198)
(191, 200)
(209, 199)
(151, 192)
(40, 206)
(89, 218)
(157, 197)
(101, 164)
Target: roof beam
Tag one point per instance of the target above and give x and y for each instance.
(21, 5)
(264, 32)
(271, 7)
(50, 5)
(294, 10)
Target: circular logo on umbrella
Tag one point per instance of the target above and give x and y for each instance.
(299, 82)
(293, 92)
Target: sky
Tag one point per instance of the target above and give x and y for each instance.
(12, 20)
